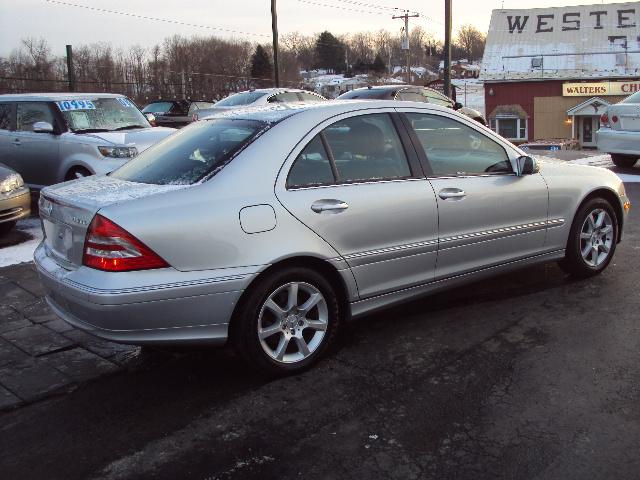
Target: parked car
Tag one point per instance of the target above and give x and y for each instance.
(257, 97)
(411, 93)
(272, 226)
(174, 113)
(619, 132)
(15, 199)
(52, 137)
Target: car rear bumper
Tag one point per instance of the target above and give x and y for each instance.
(618, 141)
(188, 310)
(15, 206)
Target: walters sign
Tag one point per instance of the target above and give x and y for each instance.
(595, 89)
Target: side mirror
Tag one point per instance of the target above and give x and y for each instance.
(42, 127)
(457, 106)
(151, 118)
(526, 166)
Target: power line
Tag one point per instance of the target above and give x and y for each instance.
(318, 4)
(155, 19)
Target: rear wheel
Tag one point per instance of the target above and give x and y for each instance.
(592, 239)
(624, 161)
(287, 322)
(77, 172)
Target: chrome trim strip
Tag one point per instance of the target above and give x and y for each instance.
(348, 184)
(391, 249)
(506, 230)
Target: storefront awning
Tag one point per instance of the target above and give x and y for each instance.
(593, 106)
(508, 111)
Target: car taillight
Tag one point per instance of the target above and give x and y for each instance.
(109, 247)
(604, 119)
(614, 119)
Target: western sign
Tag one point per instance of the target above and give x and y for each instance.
(594, 19)
(594, 89)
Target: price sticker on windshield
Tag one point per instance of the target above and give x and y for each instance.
(125, 102)
(69, 105)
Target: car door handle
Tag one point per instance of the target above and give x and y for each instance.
(452, 193)
(329, 206)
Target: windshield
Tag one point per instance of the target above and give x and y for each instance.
(635, 98)
(101, 114)
(244, 98)
(158, 107)
(192, 153)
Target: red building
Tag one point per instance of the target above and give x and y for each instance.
(550, 73)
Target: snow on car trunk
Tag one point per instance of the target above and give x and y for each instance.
(67, 209)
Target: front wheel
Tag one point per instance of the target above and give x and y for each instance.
(592, 239)
(624, 161)
(287, 322)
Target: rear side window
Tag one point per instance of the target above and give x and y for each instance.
(6, 111)
(312, 167)
(29, 113)
(368, 93)
(635, 98)
(453, 148)
(193, 153)
(437, 99)
(158, 107)
(244, 98)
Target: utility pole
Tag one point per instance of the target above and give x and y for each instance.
(447, 48)
(71, 74)
(405, 44)
(274, 31)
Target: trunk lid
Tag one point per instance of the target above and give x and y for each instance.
(66, 210)
(628, 116)
(141, 139)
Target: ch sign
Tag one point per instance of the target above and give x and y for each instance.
(599, 89)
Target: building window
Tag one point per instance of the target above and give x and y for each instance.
(512, 128)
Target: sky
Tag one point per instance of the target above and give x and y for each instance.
(62, 22)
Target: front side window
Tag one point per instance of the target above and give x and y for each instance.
(453, 148)
(244, 98)
(101, 114)
(29, 113)
(192, 153)
(6, 110)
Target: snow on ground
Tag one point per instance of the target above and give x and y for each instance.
(474, 93)
(22, 252)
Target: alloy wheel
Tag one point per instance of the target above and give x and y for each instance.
(293, 322)
(596, 237)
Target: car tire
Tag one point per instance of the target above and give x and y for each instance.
(592, 239)
(272, 331)
(6, 227)
(624, 161)
(76, 173)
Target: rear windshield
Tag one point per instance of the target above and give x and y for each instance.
(244, 98)
(367, 93)
(192, 153)
(101, 114)
(158, 107)
(635, 98)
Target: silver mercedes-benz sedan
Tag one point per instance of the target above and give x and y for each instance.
(271, 227)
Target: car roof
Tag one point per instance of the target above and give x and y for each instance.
(55, 97)
(274, 113)
(276, 90)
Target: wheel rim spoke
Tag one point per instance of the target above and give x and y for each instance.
(302, 346)
(317, 325)
(302, 300)
(271, 330)
(596, 239)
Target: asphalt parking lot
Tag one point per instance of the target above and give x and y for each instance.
(527, 375)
